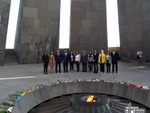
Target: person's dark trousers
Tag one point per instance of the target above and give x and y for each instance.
(65, 65)
(96, 66)
(140, 62)
(113, 66)
(45, 67)
(108, 67)
(90, 66)
(58, 63)
(78, 66)
(102, 67)
(84, 66)
(71, 65)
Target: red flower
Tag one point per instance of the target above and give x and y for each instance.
(132, 85)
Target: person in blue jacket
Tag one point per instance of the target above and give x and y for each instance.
(58, 59)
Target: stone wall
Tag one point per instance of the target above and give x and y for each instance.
(30, 100)
(17, 46)
(134, 19)
(88, 25)
(38, 29)
(4, 15)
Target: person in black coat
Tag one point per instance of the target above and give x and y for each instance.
(84, 60)
(95, 57)
(71, 60)
(58, 59)
(65, 60)
(90, 60)
(45, 60)
(114, 58)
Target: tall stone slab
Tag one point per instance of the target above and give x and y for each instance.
(134, 19)
(38, 29)
(88, 25)
(17, 46)
(4, 16)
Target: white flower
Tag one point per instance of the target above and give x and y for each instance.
(10, 109)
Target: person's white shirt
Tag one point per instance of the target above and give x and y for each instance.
(114, 52)
(77, 57)
(139, 53)
(107, 57)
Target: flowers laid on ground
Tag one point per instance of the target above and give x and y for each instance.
(6, 107)
(4, 111)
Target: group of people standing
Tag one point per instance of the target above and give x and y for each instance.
(90, 60)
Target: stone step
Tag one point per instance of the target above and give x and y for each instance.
(10, 57)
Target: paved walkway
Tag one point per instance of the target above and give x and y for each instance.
(18, 77)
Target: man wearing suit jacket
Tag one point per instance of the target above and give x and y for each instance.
(84, 60)
(114, 58)
(65, 59)
(58, 59)
(95, 60)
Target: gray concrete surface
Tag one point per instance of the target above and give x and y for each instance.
(18, 77)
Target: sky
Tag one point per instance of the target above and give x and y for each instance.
(14, 8)
(112, 24)
(64, 32)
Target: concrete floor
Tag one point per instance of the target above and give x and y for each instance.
(18, 77)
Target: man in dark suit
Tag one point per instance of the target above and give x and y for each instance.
(84, 60)
(58, 59)
(114, 57)
(95, 60)
(65, 59)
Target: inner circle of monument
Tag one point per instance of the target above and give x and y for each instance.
(92, 103)
(73, 102)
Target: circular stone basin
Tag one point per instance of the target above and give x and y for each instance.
(79, 104)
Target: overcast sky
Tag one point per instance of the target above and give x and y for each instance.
(112, 24)
(64, 32)
(12, 24)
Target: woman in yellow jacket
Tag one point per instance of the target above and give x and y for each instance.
(101, 60)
